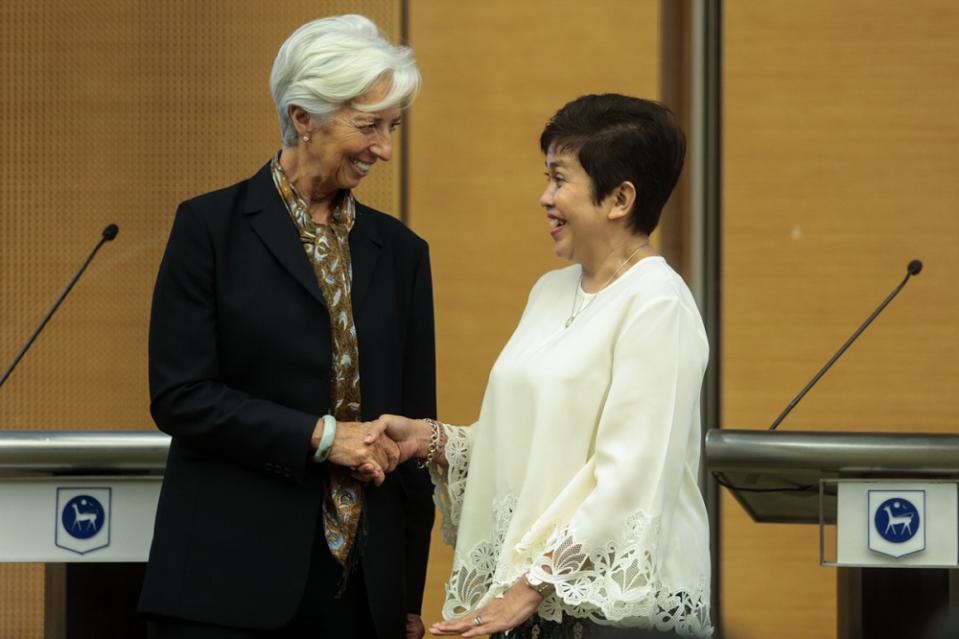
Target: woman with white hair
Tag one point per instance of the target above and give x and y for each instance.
(285, 313)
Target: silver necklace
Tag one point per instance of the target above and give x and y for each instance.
(573, 313)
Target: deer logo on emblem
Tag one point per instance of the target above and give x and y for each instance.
(896, 522)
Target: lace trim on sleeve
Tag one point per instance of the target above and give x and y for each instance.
(617, 584)
(620, 583)
(450, 482)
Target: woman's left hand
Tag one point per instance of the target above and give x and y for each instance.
(505, 613)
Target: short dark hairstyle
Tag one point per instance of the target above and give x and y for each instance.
(618, 138)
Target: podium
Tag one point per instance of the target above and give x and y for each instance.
(791, 477)
(83, 504)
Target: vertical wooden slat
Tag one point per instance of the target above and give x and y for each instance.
(676, 92)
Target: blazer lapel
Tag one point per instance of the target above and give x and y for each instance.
(365, 245)
(271, 221)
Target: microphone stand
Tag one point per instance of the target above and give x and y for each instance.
(109, 233)
(912, 269)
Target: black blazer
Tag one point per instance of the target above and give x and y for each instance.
(240, 373)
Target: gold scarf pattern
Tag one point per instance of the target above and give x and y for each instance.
(328, 248)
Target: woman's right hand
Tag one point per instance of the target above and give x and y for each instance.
(411, 436)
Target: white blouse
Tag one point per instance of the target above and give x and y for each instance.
(582, 468)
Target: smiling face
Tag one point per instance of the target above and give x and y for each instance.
(576, 223)
(343, 149)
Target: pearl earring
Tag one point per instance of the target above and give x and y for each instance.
(306, 139)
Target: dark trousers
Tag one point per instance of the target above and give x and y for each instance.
(320, 614)
(570, 628)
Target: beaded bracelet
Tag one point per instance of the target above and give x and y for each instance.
(435, 432)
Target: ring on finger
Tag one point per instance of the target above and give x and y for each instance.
(478, 620)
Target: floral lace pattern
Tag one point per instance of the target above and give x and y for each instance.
(472, 577)
(617, 584)
(451, 482)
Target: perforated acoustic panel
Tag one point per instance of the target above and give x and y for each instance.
(113, 112)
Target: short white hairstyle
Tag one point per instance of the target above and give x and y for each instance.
(327, 63)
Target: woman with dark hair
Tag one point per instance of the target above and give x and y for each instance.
(573, 501)
(285, 314)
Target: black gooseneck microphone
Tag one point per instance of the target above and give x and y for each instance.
(913, 268)
(109, 233)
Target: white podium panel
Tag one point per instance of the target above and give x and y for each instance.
(77, 519)
(897, 524)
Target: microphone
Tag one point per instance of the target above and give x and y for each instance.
(109, 234)
(913, 268)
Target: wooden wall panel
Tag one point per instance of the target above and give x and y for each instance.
(115, 111)
(494, 72)
(840, 162)
(21, 601)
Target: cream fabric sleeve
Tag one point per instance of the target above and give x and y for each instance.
(631, 542)
(450, 482)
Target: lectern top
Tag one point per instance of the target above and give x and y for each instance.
(38, 452)
(775, 474)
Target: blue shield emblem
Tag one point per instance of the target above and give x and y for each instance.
(83, 519)
(897, 522)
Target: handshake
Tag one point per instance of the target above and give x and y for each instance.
(371, 449)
